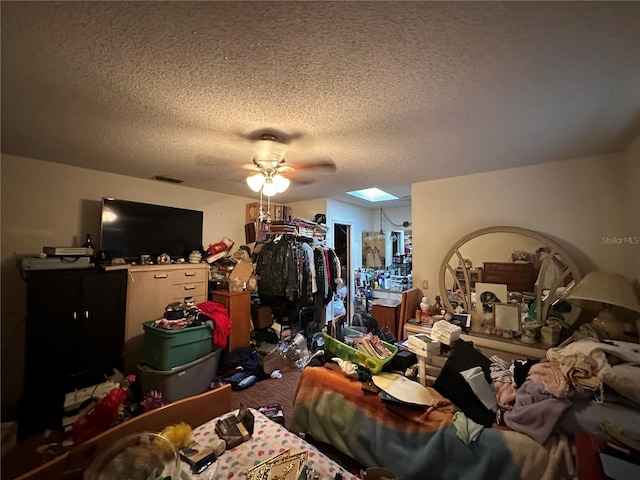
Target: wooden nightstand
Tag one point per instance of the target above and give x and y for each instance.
(386, 314)
(238, 306)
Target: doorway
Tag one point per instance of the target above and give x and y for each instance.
(342, 247)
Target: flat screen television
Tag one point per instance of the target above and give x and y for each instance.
(130, 229)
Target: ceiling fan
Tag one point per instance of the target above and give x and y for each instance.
(274, 174)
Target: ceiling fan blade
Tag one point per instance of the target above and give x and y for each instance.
(251, 166)
(324, 165)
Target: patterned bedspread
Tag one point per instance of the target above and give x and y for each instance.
(268, 439)
(414, 444)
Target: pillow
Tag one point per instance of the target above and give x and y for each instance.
(624, 379)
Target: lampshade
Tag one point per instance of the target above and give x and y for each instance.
(610, 294)
(255, 182)
(281, 183)
(269, 188)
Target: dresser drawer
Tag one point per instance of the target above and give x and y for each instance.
(189, 276)
(220, 298)
(518, 277)
(150, 289)
(172, 277)
(178, 292)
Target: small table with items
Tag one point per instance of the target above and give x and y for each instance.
(507, 349)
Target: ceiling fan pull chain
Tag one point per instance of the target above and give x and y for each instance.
(269, 210)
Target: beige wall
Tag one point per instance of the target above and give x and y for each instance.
(47, 204)
(309, 208)
(631, 192)
(575, 202)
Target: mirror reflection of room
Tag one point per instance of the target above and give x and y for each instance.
(512, 285)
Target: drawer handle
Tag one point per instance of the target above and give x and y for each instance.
(190, 287)
(160, 275)
(190, 274)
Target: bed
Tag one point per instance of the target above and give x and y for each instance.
(599, 395)
(410, 442)
(200, 411)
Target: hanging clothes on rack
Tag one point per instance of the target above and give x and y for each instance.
(297, 269)
(277, 268)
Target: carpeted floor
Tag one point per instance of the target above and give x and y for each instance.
(271, 390)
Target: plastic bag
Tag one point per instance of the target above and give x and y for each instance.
(338, 306)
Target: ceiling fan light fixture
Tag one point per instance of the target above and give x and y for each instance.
(281, 183)
(255, 182)
(269, 188)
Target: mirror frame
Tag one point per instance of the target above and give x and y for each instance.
(572, 269)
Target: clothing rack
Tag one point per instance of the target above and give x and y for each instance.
(290, 236)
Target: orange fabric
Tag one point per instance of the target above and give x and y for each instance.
(316, 381)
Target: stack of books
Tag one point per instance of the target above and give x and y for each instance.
(284, 226)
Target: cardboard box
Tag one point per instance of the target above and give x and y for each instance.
(274, 361)
(261, 317)
(235, 429)
(198, 457)
(242, 271)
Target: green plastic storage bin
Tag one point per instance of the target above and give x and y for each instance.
(353, 355)
(166, 349)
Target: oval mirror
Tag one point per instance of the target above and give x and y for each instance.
(489, 272)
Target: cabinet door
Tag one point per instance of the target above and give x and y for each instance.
(386, 316)
(102, 316)
(74, 334)
(53, 347)
(53, 333)
(76, 325)
(148, 294)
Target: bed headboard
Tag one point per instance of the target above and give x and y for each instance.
(193, 410)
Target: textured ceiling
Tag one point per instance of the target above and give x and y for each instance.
(392, 92)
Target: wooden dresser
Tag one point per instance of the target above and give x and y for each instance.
(150, 288)
(519, 277)
(507, 349)
(238, 306)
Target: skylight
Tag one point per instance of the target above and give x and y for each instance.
(373, 195)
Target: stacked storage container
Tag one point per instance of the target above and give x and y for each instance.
(178, 363)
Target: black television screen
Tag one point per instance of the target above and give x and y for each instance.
(130, 229)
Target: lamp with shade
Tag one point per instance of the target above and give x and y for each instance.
(611, 295)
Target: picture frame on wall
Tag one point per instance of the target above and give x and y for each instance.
(506, 316)
(373, 250)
